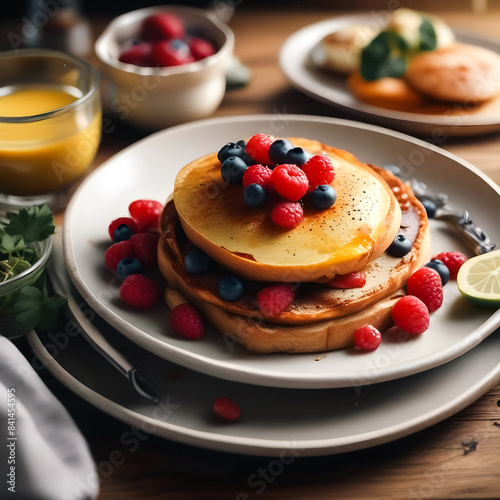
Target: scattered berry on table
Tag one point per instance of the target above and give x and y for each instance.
(287, 214)
(400, 246)
(319, 170)
(116, 252)
(278, 150)
(289, 181)
(439, 266)
(172, 53)
(258, 148)
(162, 26)
(197, 261)
(232, 169)
(452, 260)
(430, 208)
(297, 156)
(354, 279)
(254, 195)
(201, 48)
(146, 213)
(323, 196)
(139, 292)
(411, 315)
(146, 248)
(126, 221)
(128, 266)
(140, 54)
(186, 321)
(367, 338)
(425, 283)
(230, 288)
(273, 300)
(226, 409)
(394, 169)
(258, 174)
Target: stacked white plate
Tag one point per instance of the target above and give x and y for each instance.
(316, 403)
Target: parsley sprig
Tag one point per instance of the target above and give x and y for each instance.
(19, 237)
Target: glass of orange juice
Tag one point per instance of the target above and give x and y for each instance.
(50, 125)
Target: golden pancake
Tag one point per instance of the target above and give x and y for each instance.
(344, 238)
(313, 301)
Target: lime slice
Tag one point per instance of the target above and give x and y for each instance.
(479, 279)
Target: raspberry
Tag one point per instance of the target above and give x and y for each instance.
(411, 315)
(201, 48)
(162, 26)
(258, 174)
(146, 213)
(146, 248)
(426, 284)
(367, 337)
(127, 221)
(140, 55)
(172, 53)
(226, 409)
(319, 170)
(186, 321)
(116, 252)
(139, 292)
(258, 148)
(452, 260)
(289, 181)
(356, 279)
(273, 300)
(287, 214)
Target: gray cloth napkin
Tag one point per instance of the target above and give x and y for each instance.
(43, 454)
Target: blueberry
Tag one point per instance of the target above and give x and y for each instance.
(232, 169)
(197, 261)
(234, 149)
(323, 196)
(297, 156)
(430, 208)
(400, 246)
(128, 266)
(278, 151)
(254, 195)
(122, 233)
(440, 267)
(230, 288)
(393, 169)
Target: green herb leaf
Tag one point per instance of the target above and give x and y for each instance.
(11, 243)
(33, 224)
(384, 56)
(428, 38)
(34, 308)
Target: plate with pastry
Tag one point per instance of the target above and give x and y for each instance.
(403, 69)
(284, 248)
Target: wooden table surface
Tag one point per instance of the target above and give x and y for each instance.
(457, 458)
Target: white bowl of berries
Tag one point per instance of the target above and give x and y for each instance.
(164, 65)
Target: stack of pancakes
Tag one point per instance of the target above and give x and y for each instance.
(373, 206)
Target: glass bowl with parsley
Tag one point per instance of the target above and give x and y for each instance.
(25, 248)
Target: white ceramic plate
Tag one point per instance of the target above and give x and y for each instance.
(147, 170)
(274, 422)
(295, 61)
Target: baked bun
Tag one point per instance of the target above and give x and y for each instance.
(457, 73)
(340, 51)
(344, 238)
